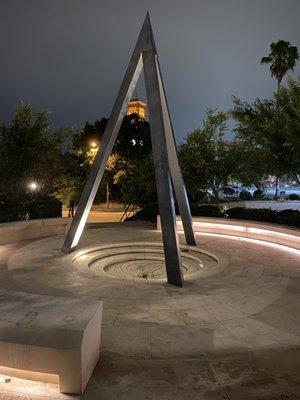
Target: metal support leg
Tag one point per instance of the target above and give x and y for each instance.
(109, 137)
(178, 183)
(162, 173)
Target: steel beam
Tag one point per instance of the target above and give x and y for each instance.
(109, 137)
(162, 173)
(178, 182)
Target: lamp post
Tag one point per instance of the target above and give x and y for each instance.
(33, 186)
(94, 147)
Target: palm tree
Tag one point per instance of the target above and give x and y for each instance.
(282, 58)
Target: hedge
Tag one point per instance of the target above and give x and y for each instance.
(48, 207)
(285, 217)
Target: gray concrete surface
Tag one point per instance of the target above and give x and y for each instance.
(233, 334)
(47, 337)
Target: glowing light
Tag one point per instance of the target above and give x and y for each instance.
(267, 236)
(6, 372)
(33, 186)
(94, 145)
(245, 229)
(80, 228)
(237, 228)
(256, 241)
(273, 233)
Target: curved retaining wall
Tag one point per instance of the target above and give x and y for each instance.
(245, 229)
(33, 229)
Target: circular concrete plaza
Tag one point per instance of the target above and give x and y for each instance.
(232, 332)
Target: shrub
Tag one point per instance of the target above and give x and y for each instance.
(294, 196)
(206, 210)
(228, 191)
(12, 212)
(252, 214)
(285, 217)
(289, 217)
(47, 207)
(259, 194)
(148, 213)
(245, 195)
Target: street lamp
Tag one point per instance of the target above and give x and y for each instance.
(33, 186)
(93, 145)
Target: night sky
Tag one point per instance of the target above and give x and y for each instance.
(69, 56)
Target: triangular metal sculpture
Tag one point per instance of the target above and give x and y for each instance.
(164, 154)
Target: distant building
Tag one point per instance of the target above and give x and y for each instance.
(136, 106)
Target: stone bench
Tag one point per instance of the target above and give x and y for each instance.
(17, 231)
(51, 339)
(271, 234)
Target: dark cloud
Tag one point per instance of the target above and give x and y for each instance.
(69, 56)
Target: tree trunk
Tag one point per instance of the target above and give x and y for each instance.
(297, 177)
(107, 195)
(216, 195)
(276, 188)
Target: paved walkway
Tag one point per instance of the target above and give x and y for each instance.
(232, 334)
(102, 216)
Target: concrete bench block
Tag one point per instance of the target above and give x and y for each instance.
(270, 233)
(34, 229)
(44, 337)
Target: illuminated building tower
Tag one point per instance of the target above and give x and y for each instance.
(136, 106)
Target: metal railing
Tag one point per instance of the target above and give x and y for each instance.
(130, 210)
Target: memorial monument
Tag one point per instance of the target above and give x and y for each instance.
(167, 169)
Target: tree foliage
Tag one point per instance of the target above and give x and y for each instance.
(271, 128)
(29, 151)
(208, 160)
(282, 57)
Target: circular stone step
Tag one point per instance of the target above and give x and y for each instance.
(142, 261)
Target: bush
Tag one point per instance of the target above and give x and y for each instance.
(148, 213)
(47, 207)
(294, 196)
(228, 191)
(285, 217)
(12, 212)
(206, 210)
(252, 214)
(259, 194)
(289, 217)
(245, 195)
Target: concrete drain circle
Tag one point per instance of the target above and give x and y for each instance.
(142, 261)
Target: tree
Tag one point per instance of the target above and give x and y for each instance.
(132, 147)
(89, 137)
(288, 100)
(68, 188)
(138, 184)
(282, 57)
(271, 128)
(30, 152)
(134, 139)
(208, 161)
